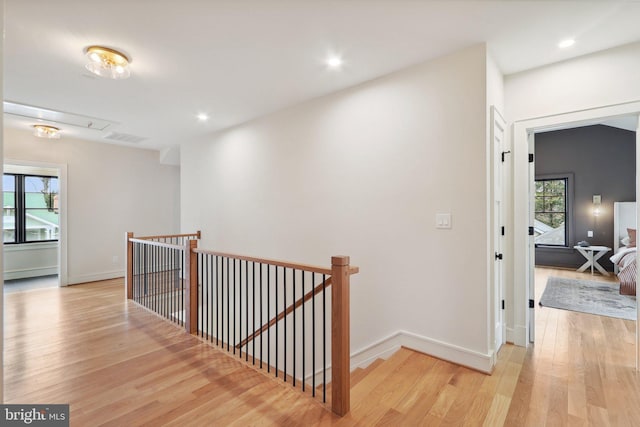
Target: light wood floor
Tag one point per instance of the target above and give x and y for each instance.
(581, 370)
(117, 364)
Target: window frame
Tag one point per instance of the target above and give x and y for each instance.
(569, 220)
(20, 233)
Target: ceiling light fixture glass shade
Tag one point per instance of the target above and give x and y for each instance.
(45, 131)
(106, 62)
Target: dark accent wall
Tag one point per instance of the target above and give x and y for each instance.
(602, 161)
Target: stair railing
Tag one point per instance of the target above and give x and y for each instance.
(155, 273)
(280, 317)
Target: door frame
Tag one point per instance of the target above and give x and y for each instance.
(521, 136)
(62, 208)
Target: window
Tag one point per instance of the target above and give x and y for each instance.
(551, 210)
(30, 209)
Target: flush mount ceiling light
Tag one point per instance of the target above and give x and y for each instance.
(45, 131)
(566, 43)
(334, 62)
(106, 62)
(203, 117)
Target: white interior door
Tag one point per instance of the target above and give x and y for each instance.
(499, 157)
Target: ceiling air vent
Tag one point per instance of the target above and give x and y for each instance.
(124, 137)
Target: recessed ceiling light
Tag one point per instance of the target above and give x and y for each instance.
(106, 62)
(566, 43)
(203, 117)
(45, 131)
(334, 62)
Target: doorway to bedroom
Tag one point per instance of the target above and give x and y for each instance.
(582, 177)
(579, 174)
(523, 190)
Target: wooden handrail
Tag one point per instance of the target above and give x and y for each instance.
(286, 264)
(152, 243)
(284, 313)
(129, 239)
(197, 234)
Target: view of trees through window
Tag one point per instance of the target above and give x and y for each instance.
(30, 208)
(551, 212)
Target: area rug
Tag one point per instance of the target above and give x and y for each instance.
(587, 296)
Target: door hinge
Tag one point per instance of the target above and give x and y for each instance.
(530, 157)
(498, 256)
(530, 231)
(503, 153)
(503, 304)
(531, 303)
(502, 230)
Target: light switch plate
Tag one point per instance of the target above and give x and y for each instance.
(589, 233)
(443, 220)
(597, 199)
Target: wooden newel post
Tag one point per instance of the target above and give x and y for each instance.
(340, 336)
(191, 287)
(129, 267)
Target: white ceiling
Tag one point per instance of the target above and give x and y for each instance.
(240, 59)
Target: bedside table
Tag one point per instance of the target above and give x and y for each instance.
(592, 254)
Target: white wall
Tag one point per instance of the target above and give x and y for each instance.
(363, 173)
(30, 260)
(110, 190)
(495, 86)
(598, 80)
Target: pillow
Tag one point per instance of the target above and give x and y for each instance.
(632, 237)
(625, 241)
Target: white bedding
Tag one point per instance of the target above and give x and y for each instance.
(620, 254)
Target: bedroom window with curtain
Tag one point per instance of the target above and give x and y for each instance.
(551, 212)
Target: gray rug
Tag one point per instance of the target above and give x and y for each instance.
(587, 296)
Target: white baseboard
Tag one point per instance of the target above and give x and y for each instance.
(30, 272)
(510, 335)
(462, 356)
(519, 336)
(381, 349)
(84, 278)
(385, 347)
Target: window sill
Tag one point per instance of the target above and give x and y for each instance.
(16, 247)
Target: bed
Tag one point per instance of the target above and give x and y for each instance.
(624, 245)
